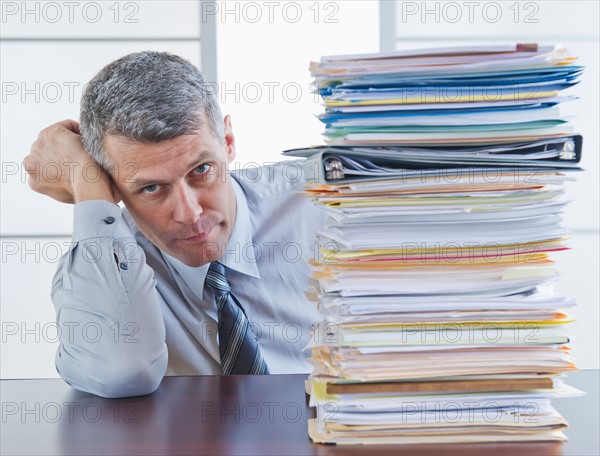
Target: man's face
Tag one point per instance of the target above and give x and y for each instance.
(178, 191)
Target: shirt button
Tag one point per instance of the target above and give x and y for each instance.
(124, 266)
(109, 220)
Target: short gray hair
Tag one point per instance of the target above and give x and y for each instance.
(146, 97)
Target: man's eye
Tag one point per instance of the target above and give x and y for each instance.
(150, 189)
(202, 169)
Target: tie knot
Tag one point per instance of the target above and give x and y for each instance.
(215, 277)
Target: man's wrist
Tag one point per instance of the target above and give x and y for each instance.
(100, 188)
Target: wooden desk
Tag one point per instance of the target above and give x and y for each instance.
(224, 415)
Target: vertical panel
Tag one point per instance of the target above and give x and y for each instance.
(208, 19)
(387, 26)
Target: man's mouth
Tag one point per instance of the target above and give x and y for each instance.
(198, 237)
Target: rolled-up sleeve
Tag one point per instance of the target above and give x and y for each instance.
(112, 334)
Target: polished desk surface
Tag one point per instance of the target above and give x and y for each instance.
(258, 415)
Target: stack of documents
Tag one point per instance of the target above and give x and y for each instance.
(435, 278)
(482, 94)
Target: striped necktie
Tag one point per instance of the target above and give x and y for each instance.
(239, 350)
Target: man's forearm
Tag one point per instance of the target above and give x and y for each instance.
(93, 185)
(112, 330)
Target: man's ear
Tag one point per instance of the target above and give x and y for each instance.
(229, 139)
(116, 193)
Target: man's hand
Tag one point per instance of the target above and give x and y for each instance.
(59, 166)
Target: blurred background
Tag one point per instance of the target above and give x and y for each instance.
(257, 55)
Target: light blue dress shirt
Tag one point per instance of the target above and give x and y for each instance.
(129, 314)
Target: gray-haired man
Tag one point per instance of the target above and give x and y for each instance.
(130, 294)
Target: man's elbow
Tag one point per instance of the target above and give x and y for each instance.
(130, 379)
(117, 378)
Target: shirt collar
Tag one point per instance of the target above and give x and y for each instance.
(239, 253)
(194, 277)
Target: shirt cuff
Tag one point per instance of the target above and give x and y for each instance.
(97, 218)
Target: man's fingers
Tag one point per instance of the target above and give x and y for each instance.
(29, 164)
(70, 124)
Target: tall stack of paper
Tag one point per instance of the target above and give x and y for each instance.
(443, 180)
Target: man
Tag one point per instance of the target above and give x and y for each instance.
(203, 272)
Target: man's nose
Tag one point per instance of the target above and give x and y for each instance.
(187, 208)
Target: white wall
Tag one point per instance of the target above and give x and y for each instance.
(253, 53)
(277, 54)
(272, 51)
